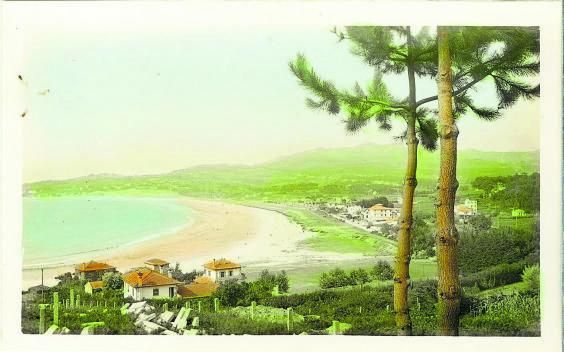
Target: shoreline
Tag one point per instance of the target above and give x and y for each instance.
(250, 235)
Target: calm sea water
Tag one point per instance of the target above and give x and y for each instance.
(58, 228)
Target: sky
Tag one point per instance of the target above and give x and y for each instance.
(135, 97)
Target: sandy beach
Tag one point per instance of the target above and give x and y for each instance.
(257, 238)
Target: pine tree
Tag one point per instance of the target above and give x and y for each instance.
(389, 50)
(506, 56)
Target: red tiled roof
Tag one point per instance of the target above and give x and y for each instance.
(200, 287)
(93, 266)
(221, 264)
(463, 209)
(145, 277)
(156, 261)
(379, 207)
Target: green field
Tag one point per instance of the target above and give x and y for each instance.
(307, 279)
(334, 236)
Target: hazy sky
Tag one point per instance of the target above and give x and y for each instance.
(149, 98)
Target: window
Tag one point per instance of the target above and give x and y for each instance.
(155, 292)
(171, 292)
(230, 272)
(209, 273)
(222, 274)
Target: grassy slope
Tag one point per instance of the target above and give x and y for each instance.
(320, 174)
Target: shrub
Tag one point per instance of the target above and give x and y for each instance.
(480, 251)
(179, 275)
(494, 276)
(112, 281)
(531, 277)
(335, 278)
(516, 314)
(359, 276)
(383, 271)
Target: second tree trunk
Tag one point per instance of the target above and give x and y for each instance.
(447, 236)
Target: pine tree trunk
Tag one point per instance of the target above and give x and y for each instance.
(447, 236)
(403, 257)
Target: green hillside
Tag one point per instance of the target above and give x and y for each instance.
(320, 174)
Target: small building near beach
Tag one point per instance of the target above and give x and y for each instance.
(162, 266)
(379, 212)
(222, 269)
(93, 286)
(202, 286)
(463, 213)
(144, 283)
(93, 271)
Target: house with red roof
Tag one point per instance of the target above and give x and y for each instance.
(222, 269)
(92, 271)
(143, 283)
(202, 286)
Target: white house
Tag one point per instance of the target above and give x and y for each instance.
(143, 283)
(222, 269)
(159, 265)
(472, 204)
(378, 212)
(354, 210)
(463, 212)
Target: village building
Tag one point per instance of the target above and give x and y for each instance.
(463, 213)
(379, 213)
(222, 269)
(472, 204)
(143, 283)
(93, 286)
(93, 271)
(354, 210)
(202, 286)
(158, 265)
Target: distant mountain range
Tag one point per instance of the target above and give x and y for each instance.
(323, 173)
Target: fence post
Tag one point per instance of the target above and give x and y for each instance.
(77, 301)
(290, 318)
(199, 306)
(216, 304)
(165, 307)
(72, 298)
(253, 306)
(360, 310)
(42, 318)
(56, 308)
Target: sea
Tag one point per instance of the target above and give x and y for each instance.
(58, 229)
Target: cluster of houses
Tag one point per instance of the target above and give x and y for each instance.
(373, 218)
(368, 219)
(154, 280)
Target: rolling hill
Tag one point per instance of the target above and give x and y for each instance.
(320, 174)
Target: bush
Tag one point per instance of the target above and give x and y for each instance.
(179, 275)
(359, 276)
(531, 277)
(232, 292)
(480, 251)
(112, 281)
(515, 315)
(335, 278)
(383, 271)
(494, 276)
